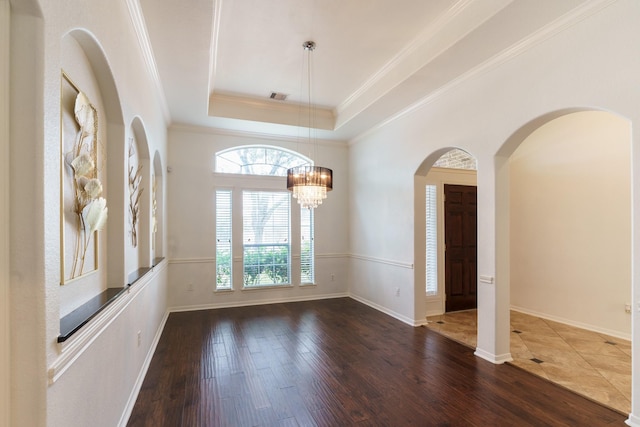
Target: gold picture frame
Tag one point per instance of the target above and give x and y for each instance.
(81, 206)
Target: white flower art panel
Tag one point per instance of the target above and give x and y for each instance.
(84, 209)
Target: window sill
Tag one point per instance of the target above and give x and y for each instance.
(259, 288)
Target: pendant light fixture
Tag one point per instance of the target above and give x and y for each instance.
(309, 183)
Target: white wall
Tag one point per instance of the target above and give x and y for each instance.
(584, 63)
(191, 192)
(89, 379)
(571, 222)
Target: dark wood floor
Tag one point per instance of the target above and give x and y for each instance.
(338, 363)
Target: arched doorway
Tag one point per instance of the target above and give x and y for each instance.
(443, 277)
(564, 247)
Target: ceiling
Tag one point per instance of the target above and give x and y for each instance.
(218, 61)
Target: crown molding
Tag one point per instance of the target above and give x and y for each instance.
(405, 53)
(140, 28)
(449, 28)
(554, 28)
(213, 45)
(183, 127)
(270, 111)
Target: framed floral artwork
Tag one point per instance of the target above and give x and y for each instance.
(83, 209)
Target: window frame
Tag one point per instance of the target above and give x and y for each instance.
(239, 183)
(288, 243)
(231, 251)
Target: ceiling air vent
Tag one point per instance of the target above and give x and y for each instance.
(278, 96)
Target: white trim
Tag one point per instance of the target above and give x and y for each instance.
(633, 421)
(561, 24)
(213, 45)
(140, 28)
(497, 359)
(331, 255)
(133, 396)
(252, 303)
(5, 226)
(192, 261)
(383, 261)
(73, 348)
(438, 37)
(573, 323)
(204, 260)
(227, 106)
(183, 127)
(386, 311)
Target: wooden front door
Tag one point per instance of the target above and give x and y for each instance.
(460, 225)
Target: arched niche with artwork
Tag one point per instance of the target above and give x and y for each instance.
(92, 166)
(138, 200)
(157, 210)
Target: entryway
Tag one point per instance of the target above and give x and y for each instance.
(594, 365)
(460, 232)
(446, 232)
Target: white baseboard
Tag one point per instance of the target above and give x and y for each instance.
(143, 373)
(633, 421)
(573, 323)
(497, 359)
(386, 311)
(256, 302)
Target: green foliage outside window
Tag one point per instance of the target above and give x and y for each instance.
(266, 265)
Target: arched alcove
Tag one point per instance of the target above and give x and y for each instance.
(570, 201)
(139, 194)
(447, 168)
(157, 209)
(86, 69)
(563, 225)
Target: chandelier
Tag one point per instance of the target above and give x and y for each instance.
(308, 183)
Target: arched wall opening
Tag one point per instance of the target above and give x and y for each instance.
(139, 184)
(570, 222)
(157, 209)
(563, 222)
(84, 63)
(445, 168)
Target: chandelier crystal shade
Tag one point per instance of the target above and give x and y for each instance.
(309, 184)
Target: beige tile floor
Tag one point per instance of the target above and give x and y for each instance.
(594, 365)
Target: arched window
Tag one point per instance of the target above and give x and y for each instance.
(256, 215)
(258, 160)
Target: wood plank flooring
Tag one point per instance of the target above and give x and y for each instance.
(338, 363)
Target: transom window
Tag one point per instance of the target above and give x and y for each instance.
(260, 235)
(258, 160)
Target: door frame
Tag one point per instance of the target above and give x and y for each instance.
(435, 305)
(444, 239)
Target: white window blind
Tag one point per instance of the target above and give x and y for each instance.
(432, 242)
(224, 254)
(266, 241)
(306, 247)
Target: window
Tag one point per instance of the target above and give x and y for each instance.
(223, 239)
(431, 239)
(258, 160)
(266, 242)
(271, 238)
(306, 246)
